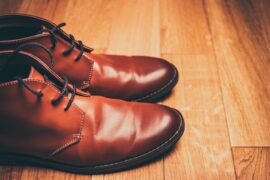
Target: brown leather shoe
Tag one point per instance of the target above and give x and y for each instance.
(43, 122)
(136, 78)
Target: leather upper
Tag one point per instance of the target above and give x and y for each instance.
(135, 77)
(94, 130)
(125, 77)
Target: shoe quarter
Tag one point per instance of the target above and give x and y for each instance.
(32, 125)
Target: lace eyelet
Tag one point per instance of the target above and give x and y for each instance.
(54, 102)
(65, 54)
(40, 95)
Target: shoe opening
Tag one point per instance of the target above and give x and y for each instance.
(18, 31)
(9, 71)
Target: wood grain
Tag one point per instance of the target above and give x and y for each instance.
(241, 35)
(204, 151)
(221, 49)
(135, 28)
(184, 27)
(252, 163)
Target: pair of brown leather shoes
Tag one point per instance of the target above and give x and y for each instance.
(49, 118)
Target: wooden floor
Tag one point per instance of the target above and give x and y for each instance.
(221, 48)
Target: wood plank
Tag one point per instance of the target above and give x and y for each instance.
(241, 34)
(9, 6)
(204, 151)
(7, 172)
(33, 173)
(184, 27)
(252, 163)
(91, 22)
(135, 28)
(153, 171)
(92, 25)
(52, 10)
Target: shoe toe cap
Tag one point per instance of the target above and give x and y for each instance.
(159, 77)
(159, 132)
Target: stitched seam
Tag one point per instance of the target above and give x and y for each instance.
(159, 90)
(42, 82)
(76, 138)
(91, 63)
(91, 70)
(8, 84)
(85, 86)
(63, 147)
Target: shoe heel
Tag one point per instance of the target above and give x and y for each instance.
(7, 160)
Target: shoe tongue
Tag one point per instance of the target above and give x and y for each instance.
(34, 74)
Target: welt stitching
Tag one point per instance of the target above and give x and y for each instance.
(161, 89)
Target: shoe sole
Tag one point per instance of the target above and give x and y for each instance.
(12, 159)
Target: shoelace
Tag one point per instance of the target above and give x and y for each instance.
(80, 45)
(55, 101)
(22, 46)
(64, 91)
